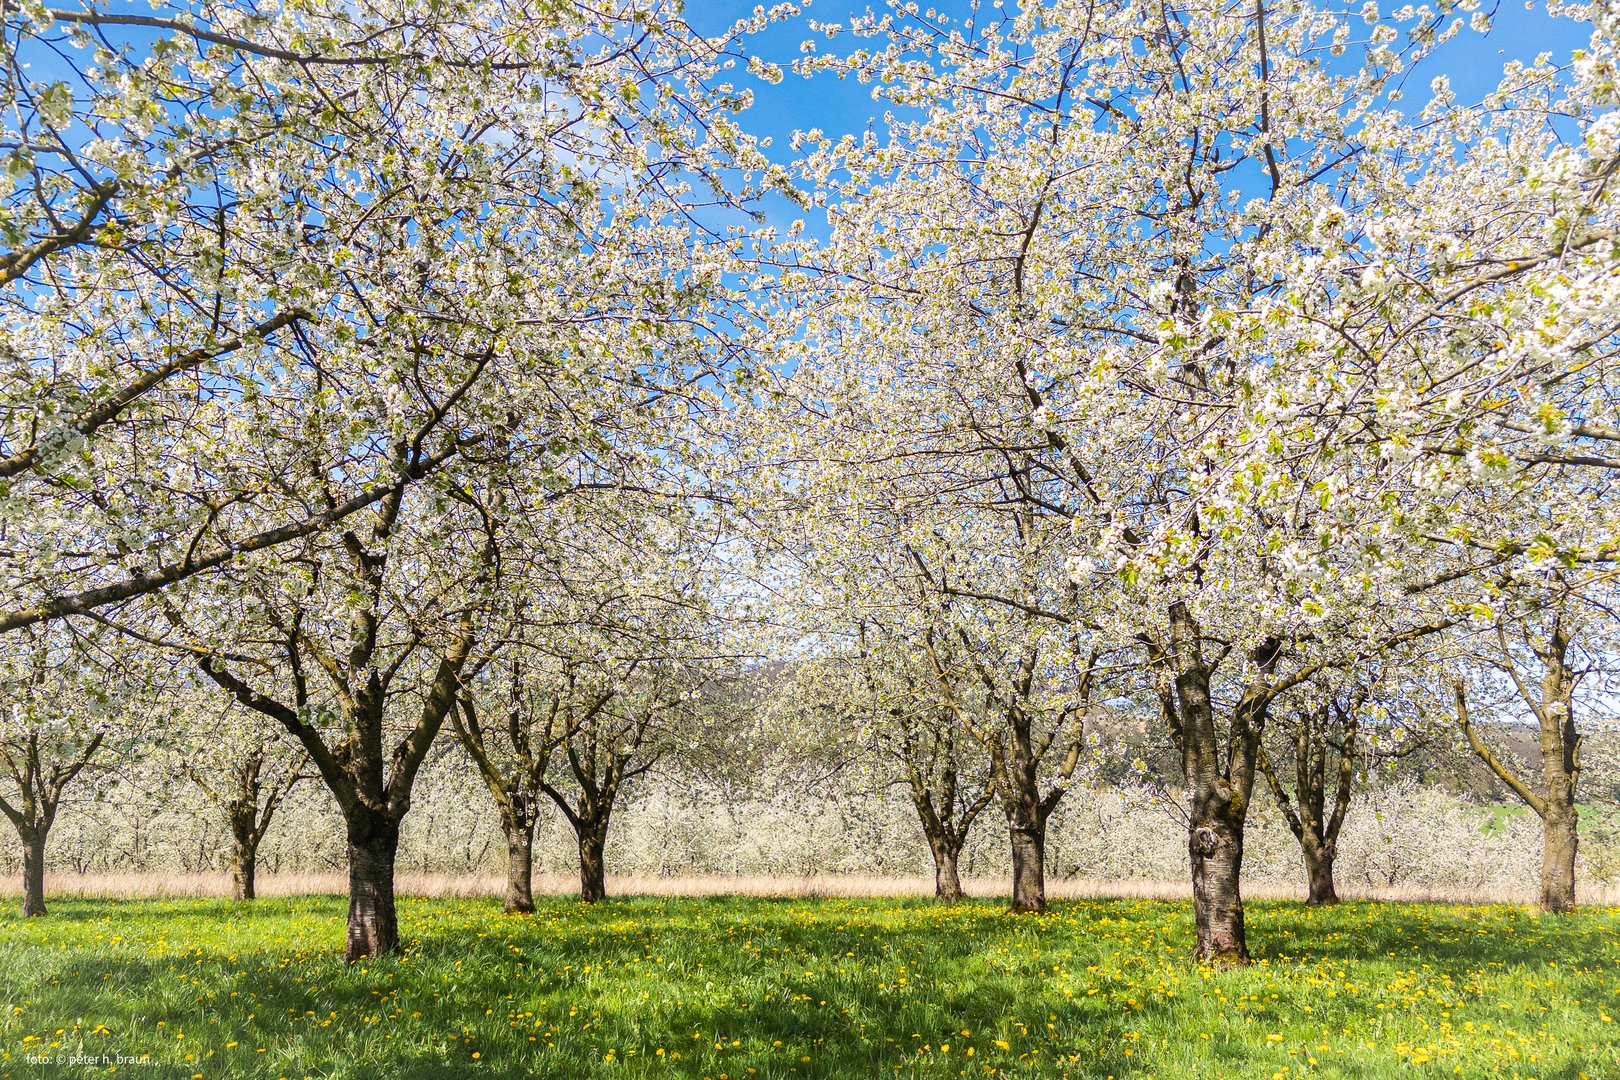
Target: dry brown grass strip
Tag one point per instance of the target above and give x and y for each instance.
(140, 885)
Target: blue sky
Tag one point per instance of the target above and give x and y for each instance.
(1474, 62)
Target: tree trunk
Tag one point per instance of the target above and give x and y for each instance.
(1219, 797)
(1319, 874)
(1028, 865)
(1558, 843)
(373, 924)
(519, 868)
(244, 856)
(1215, 843)
(1560, 762)
(33, 902)
(244, 869)
(947, 882)
(592, 875)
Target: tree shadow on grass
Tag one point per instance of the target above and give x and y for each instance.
(859, 988)
(1447, 936)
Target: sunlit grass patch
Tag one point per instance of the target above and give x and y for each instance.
(749, 987)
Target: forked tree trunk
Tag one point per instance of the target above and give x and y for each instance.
(33, 865)
(371, 784)
(1026, 812)
(40, 790)
(519, 867)
(373, 922)
(511, 786)
(592, 873)
(1028, 839)
(1216, 847)
(1560, 745)
(590, 824)
(1220, 778)
(946, 837)
(248, 813)
(1319, 874)
(1314, 822)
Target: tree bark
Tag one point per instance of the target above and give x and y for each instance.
(1220, 780)
(1320, 890)
(592, 872)
(39, 788)
(244, 852)
(590, 824)
(1026, 813)
(1216, 846)
(370, 781)
(519, 868)
(33, 900)
(244, 869)
(373, 923)
(947, 881)
(1028, 864)
(1560, 762)
(1558, 844)
(946, 837)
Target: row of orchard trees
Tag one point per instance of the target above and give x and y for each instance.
(1157, 361)
(383, 368)
(358, 364)
(608, 657)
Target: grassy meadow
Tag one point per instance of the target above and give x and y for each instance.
(733, 988)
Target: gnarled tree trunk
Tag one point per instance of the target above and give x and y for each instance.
(945, 824)
(39, 786)
(599, 784)
(246, 818)
(246, 832)
(1558, 844)
(1314, 822)
(1560, 766)
(513, 775)
(1026, 809)
(1006, 726)
(1215, 843)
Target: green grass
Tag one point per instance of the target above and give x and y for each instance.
(739, 988)
(1595, 820)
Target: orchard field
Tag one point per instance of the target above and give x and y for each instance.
(1056, 441)
(735, 987)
